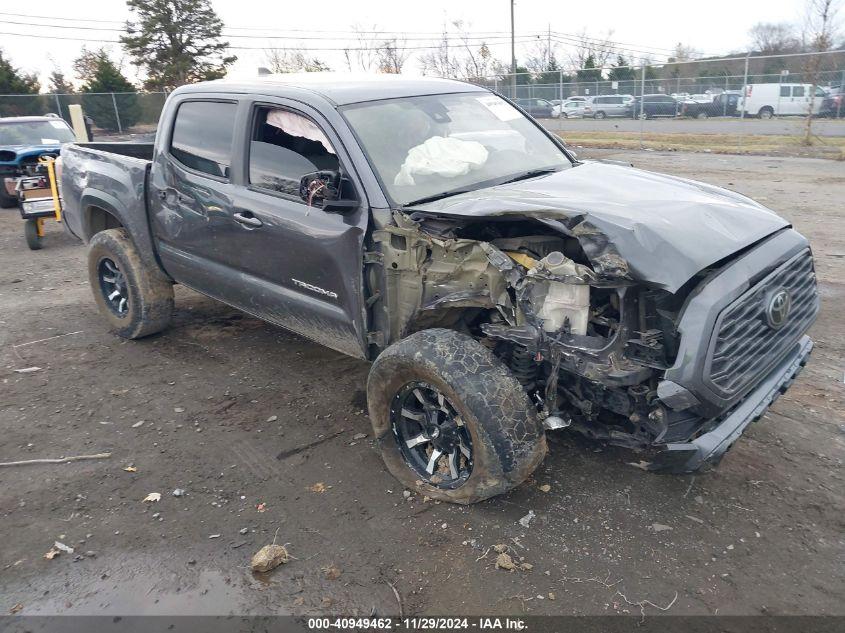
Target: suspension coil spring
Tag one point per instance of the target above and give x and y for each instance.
(524, 367)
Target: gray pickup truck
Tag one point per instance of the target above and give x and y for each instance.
(501, 287)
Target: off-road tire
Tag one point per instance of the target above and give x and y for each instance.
(508, 441)
(7, 201)
(30, 231)
(150, 293)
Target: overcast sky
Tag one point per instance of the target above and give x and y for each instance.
(712, 27)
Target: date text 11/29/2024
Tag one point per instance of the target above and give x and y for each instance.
(417, 624)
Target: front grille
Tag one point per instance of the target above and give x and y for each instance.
(744, 346)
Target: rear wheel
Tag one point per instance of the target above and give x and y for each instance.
(30, 231)
(7, 201)
(702, 115)
(136, 299)
(766, 113)
(452, 422)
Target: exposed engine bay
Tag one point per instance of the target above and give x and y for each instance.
(588, 346)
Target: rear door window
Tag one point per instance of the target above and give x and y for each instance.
(202, 136)
(284, 146)
(797, 91)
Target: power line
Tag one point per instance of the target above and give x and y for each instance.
(248, 48)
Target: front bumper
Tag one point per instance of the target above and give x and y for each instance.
(709, 448)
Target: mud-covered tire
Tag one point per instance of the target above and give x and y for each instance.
(30, 231)
(149, 305)
(508, 441)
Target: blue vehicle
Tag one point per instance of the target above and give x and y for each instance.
(22, 141)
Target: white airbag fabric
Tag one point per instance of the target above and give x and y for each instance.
(442, 156)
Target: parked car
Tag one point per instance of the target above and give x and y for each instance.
(23, 140)
(500, 287)
(654, 105)
(768, 100)
(833, 104)
(607, 105)
(570, 110)
(538, 108)
(724, 104)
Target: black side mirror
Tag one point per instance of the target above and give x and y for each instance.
(319, 185)
(330, 189)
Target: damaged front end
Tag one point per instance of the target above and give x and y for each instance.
(586, 341)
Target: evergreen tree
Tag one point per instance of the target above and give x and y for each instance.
(176, 42)
(97, 98)
(14, 82)
(589, 72)
(621, 70)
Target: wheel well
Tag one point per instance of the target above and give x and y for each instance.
(98, 219)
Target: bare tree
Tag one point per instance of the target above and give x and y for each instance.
(597, 49)
(392, 56)
(283, 60)
(364, 55)
(458, 57)
(772, 39)
(683, 53)
(440, 61)
(821, 26)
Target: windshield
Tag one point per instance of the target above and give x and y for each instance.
(53, 132)
(432, 145)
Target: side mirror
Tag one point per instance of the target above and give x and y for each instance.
(329, 188)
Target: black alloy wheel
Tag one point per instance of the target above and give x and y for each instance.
(432, 437)
(113, 286)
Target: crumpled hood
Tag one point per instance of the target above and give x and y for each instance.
(665, 229)
(23, 151)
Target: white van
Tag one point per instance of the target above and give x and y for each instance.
(768, 100)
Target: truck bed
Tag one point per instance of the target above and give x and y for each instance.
(104, 185)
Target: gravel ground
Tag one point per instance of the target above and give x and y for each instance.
(247, 419)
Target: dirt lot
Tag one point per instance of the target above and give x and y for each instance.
(238, 413)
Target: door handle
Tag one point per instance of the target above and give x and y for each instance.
(248, 220)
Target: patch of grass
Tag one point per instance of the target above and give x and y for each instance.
(829, 147)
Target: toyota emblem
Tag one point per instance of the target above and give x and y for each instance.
(778, 309)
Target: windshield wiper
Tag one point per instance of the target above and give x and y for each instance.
(530, 174)
(439, 196)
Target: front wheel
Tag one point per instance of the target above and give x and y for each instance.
(33, 239)
(600, 115)
(7, 201)
(452, 422)
(136, 299)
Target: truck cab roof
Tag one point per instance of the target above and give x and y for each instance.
(337, 88)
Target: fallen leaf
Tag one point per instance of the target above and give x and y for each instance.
(331, 572)
(16, 608)
(153, 496)
(52, 553)
(545, 488)
(131, 469)
(27, 370)
(551, 596)
(299, 601)
(500, 548)
(62, 547)
(269, 557)
(659, 527)
(318, 487)
(526, 566)
(261, 507)
(504, 561)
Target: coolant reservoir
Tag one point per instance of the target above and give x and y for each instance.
(564, 301)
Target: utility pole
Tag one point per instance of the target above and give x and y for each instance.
(513, 56)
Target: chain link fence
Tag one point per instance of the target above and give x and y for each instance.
(740, 104)
(112, 113)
